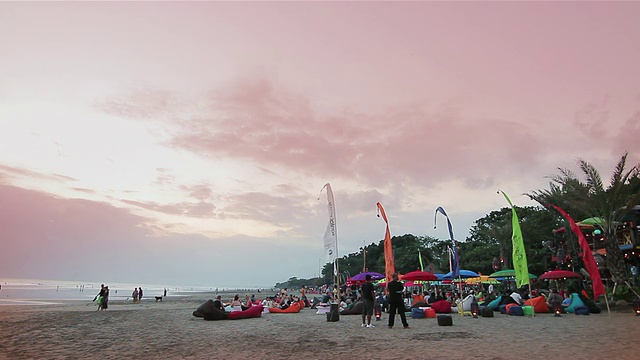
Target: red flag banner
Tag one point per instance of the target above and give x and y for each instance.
(587, 255)
(389, 266)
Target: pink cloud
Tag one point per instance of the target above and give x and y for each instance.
(11, 172)
(197, 210)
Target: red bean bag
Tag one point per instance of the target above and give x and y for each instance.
(429, 313)
(441, 307)
(252, 312)
(293, 308)
(539, 304)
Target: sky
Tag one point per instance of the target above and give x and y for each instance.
(186, 143)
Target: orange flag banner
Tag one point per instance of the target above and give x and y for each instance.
(389, 266)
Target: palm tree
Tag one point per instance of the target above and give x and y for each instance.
(588, 197)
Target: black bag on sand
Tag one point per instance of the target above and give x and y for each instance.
(334, 313)
(486, 312)
(593, 307)
(208, 311)
(445, 320)
(206, 306)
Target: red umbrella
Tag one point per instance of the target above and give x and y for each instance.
(559, 274)
(419, 275)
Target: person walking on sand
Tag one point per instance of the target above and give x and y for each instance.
(135, 295)
(368, 297)
(140, 293)
(99, 296)
(396, 303)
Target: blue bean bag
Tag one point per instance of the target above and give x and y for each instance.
(581, 310)
(516, 310)
(575, 302)
(495, 303)
(417, 313)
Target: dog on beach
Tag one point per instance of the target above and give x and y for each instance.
(158, 298)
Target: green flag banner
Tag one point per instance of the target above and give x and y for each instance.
(519, 255)
(420, 258)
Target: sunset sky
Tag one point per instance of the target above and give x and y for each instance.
(186, 143)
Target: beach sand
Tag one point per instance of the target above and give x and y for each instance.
(74, 330)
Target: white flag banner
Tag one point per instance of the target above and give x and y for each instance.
(331, 235)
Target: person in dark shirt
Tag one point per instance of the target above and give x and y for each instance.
(368, 296)
(218, 303)
(396, 303)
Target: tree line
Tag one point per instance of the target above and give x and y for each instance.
(488, 246)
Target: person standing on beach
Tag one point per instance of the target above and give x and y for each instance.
(368, 296)
(140, 293)
(135, 295)
(105, 298)
(396, 303)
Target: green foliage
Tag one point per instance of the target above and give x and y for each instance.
(295, 283)
(491, 237)
(587, 196)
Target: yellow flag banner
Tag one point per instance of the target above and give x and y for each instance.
(389, 266)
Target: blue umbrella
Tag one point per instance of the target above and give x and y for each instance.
(463, 274)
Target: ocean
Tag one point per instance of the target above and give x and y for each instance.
(44, 292)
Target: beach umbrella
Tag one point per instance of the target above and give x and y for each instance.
(595, 221)
(463, 274)
(363, 276)
(419, 275)
(478, 280)
(508, 273)
(559, 274)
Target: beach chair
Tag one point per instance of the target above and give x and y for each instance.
(461, 310)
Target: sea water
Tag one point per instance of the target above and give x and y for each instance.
(35, 292)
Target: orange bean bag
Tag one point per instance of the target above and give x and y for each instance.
(539, 304)
(417, 299)
(293, 308)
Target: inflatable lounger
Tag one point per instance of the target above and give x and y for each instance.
(293, 308)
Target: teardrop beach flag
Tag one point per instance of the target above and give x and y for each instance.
(519, 255)
(454, 264)
(389, 266)
(587, 255)
(331, 235)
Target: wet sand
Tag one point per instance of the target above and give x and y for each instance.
(75, 330)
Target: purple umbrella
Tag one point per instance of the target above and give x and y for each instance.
(363, 276)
